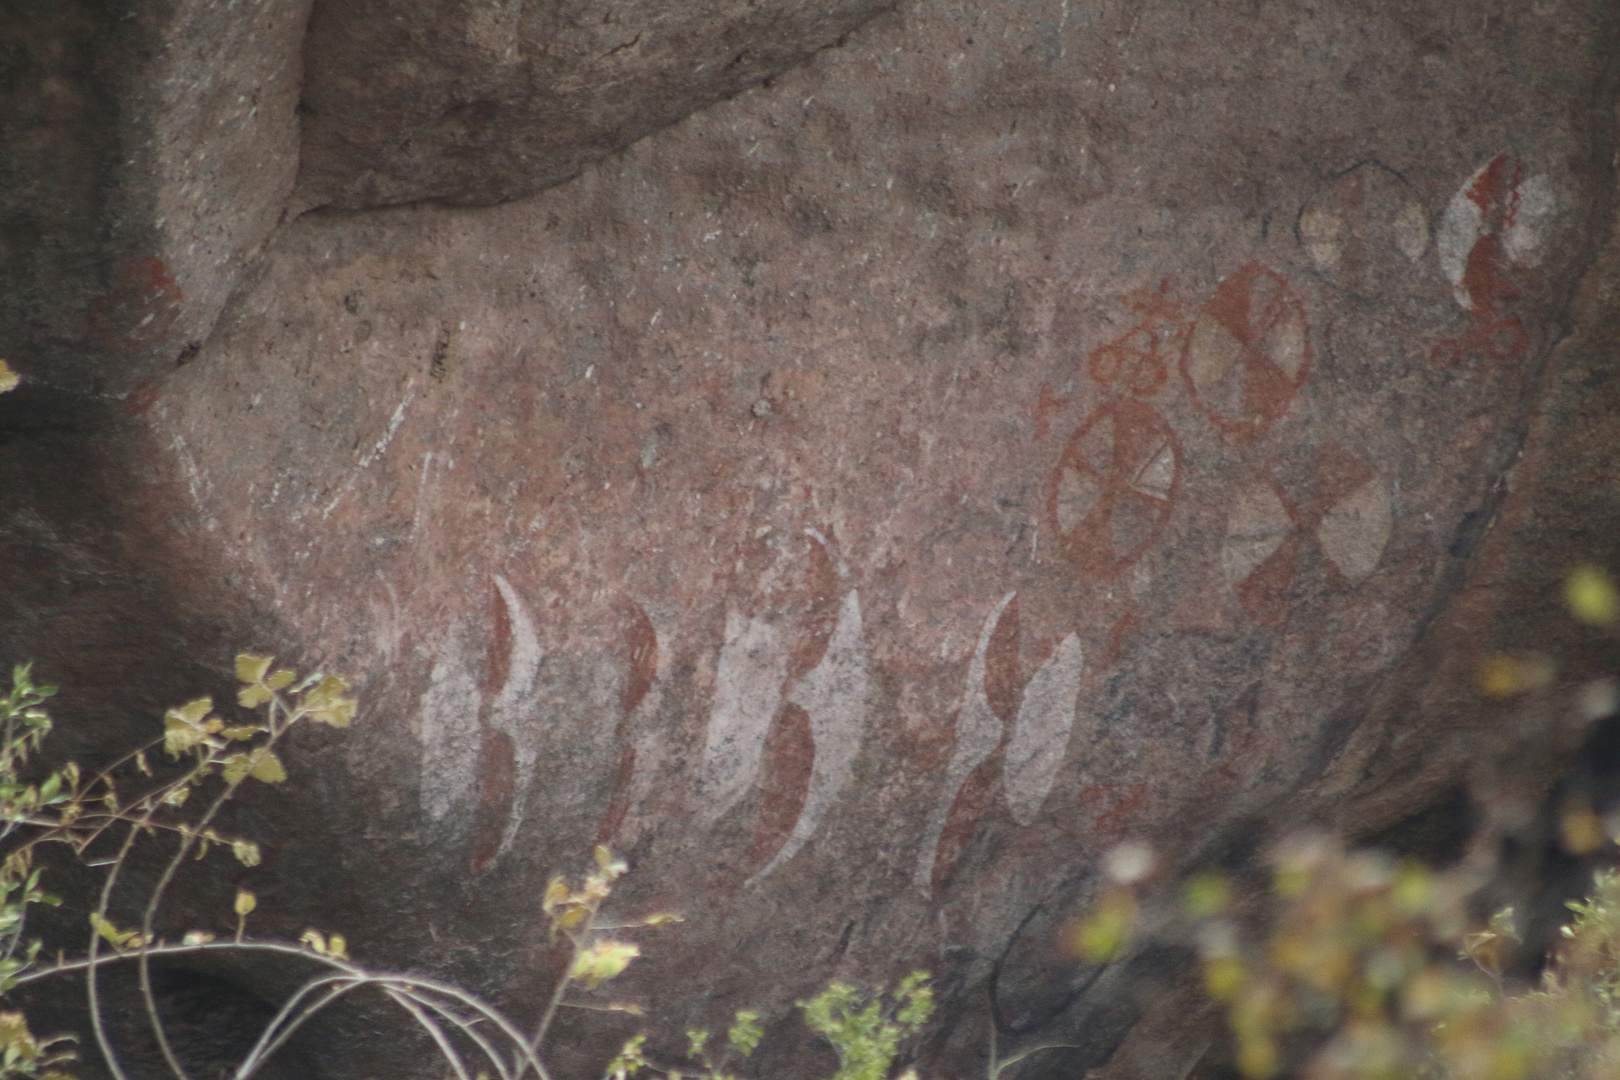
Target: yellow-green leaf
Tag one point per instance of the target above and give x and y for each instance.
(601, 961)
(267, 767)
(192, 712)
(261, 764)
(8, 378)
(180, 736)
(327, 705)
(250, 668)
(245, 902)
(282, 679)
(251, 697)
(118, 939)
(236, 767)
(241, 733)
(246, 852)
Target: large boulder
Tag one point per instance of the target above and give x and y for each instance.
(868, 500)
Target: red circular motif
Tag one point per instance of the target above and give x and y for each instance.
(1112, 491)
(1248, 353)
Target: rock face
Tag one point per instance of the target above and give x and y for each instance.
(480, 101)
(870, 499)
(148, 152)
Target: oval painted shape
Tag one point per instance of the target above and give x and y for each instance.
(1040, 737)
(1356, 529)
(1249, 352)
(978, 734)
(748, 682)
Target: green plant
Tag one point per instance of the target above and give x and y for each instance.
(102, 818)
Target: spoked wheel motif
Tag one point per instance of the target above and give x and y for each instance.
(1112, 491)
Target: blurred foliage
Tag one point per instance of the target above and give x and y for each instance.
(142, 799)
(1365, 967)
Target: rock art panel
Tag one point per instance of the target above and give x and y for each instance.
(1119, 542)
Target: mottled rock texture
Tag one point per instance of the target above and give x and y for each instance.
(868, 500)
(480, 101)
(148, 150)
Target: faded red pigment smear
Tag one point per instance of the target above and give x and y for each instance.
(1047, 405)
(1138, 362)
(1267, 388)
(1492, 334)
(789, 760)
(139, 309)
(497, 757)
(640, 646)
(1112, 451)
(1110, 825)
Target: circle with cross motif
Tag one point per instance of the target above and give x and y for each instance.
(1248, 353)
(1113, 489)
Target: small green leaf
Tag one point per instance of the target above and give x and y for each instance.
(696, 1040)
(746, 1032)
(118, 939)
(251, 669)
(251, 697)
(192, 712)
(280, 680)
(180, 736)
(245, 902)
(246, 852)
(260, 763)
(267, 767)
(601, 961)
(8, 378)
(326, 704)
(237, 766)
